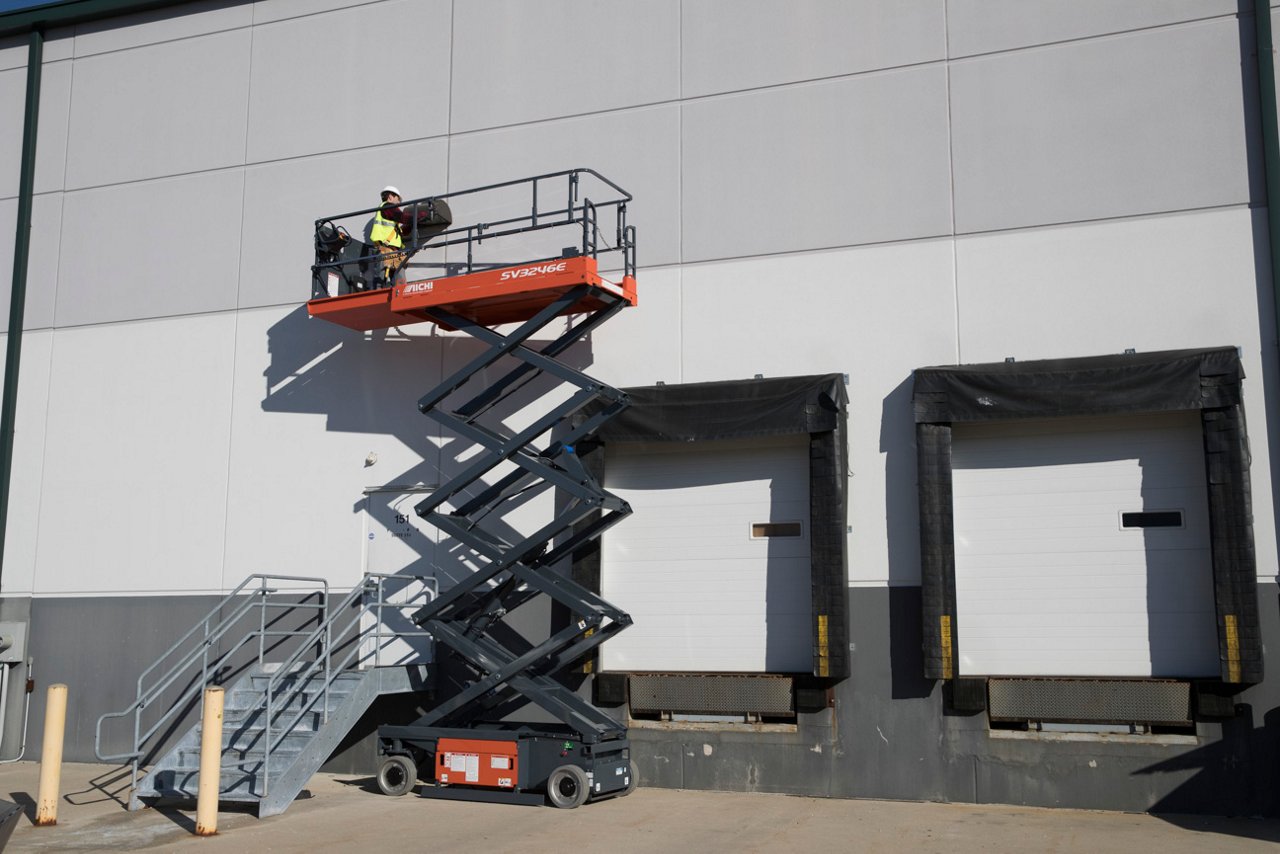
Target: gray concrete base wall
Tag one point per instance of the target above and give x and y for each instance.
(888, 735)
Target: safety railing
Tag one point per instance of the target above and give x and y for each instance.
(352, 636)
(249, 614)
(571, 205)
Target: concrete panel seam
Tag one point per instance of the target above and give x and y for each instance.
(1099, 37)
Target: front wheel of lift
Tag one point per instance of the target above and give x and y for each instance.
(397, 776)
(567, 787)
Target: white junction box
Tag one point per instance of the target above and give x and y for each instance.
(13, 642)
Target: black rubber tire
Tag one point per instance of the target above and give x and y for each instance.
(635, 781)
(567, 787)
(397, 776)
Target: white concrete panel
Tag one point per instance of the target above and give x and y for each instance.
(284, 199)
(636, 149)
(123, 32)
(838, 163)
(135, 476)
(164, 109)
(312, 401)
(1049, 582)
(1154, 283)
(1140, 123)
(14, 52)
(985, 26)
(316, 86)
(641, 346)
(124, 255)
(876, 313)
(42, 260)
(51, 129)
(28, 461)
(266, 11)
(729, 45)
(1158, 283)
(519, 62)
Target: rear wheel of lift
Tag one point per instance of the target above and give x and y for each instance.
(567, 787)
(634, 781)
(397, 776)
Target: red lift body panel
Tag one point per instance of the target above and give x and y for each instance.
(491, 297)
(475, 762)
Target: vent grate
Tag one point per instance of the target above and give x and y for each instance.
(1118, 701)
(764, 695)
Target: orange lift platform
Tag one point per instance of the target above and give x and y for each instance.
(350, 287)
(488, 298)
(465, 746)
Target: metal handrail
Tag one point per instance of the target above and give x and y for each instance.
(320, 638)
(145, 696)
(574, 211)
(373, 581)
(213, 633)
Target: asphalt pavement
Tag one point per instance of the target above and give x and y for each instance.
(343, 813)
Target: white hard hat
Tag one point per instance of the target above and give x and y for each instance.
(390, 189)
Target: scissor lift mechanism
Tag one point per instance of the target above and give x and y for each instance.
(454, 747)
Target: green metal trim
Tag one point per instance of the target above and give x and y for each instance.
(69, 12)
(18, 294)
(1270, 138)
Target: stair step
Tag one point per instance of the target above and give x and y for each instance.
(307, 737)
(285, 751)
(237, 719)
(312, 683)
(233, 785)
(248, 741)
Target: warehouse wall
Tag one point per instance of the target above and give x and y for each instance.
(863, 187)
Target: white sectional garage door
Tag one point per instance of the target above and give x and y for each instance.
(706, 595)
(1082, 548)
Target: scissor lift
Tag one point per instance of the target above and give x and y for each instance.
(458, 748)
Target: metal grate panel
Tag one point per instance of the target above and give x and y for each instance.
(1153, 701)
(766, 695)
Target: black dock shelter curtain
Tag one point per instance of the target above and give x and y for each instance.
(742, 409)
(1207, 380)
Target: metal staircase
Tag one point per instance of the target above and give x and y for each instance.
(305, 669)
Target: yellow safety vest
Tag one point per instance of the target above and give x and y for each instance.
(385, 231)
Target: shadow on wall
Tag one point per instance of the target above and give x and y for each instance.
(897, 443)
(1244, 752)
(370, 383)
(1265, 284)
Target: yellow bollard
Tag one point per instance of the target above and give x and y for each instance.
(55, 724)
(210, 763)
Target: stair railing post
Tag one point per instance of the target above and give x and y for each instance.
(378, 614)
(262, 625)
(328, 654)
(266, 740)
(137, 736)
(262, 661)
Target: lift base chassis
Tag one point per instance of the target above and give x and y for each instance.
(524, 764)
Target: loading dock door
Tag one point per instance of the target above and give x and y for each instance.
(709, 593)
(1082, 547)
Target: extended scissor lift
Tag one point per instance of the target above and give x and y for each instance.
(459, 748)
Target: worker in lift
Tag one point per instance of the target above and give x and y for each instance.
(387, 233)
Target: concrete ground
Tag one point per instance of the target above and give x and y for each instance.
(346, 813)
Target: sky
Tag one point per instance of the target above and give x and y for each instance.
(10, 5)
